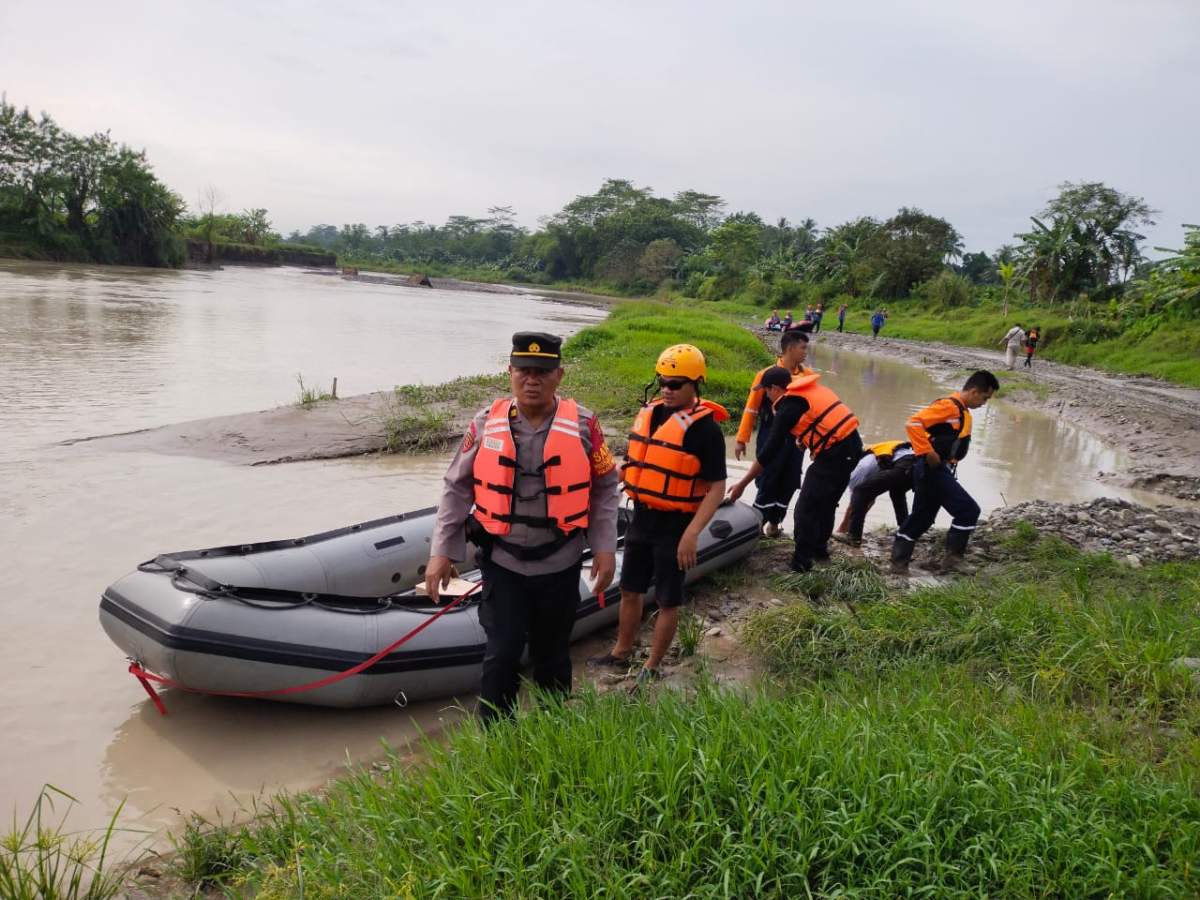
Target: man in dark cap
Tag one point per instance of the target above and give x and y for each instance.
(535, 484)
(811, 414)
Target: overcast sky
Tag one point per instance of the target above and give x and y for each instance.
(387, 112)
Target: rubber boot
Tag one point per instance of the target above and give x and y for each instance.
(956, 548)
(902, 552)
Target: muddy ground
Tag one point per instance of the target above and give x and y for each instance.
(1156, 422)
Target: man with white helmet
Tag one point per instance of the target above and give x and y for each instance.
(674, 472)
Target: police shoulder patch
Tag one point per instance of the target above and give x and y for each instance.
(602, 460)
(468, 439)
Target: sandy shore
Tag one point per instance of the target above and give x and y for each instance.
(1157, 423)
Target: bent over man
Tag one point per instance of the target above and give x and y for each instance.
(810, 414)
(539, 475)
(780, 480)
(886, 468)
(674, 472)
(940, 435)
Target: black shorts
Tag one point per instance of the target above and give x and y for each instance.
(653, 561)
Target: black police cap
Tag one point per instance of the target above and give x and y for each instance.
(536, 349)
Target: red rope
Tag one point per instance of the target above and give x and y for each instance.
(146, 677)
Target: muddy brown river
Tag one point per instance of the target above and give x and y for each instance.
(87, 351)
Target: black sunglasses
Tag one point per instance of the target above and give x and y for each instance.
(673, 384)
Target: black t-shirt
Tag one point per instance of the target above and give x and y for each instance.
(706, 442)
(788, 412)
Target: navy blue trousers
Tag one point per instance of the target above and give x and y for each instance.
(936, 489)
(824, 483)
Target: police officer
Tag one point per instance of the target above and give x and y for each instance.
(542, 482)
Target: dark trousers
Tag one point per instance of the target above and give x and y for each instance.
(896, 481)
(1029, 359)
(841, 323)
(778, 480)
(519, 609)
(933, 490)
(824, 483)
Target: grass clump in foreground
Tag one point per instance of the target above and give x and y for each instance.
(40, 860)
(994, 738)
(311, 396)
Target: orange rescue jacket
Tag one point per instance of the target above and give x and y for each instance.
(565, 468)
(658, 472)
(827, 419)
(755, 398)
(945, 426)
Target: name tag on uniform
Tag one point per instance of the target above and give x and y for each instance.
(493, 443)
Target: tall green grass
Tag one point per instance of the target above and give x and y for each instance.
(41, 860)
(883, 793)
(1023, 734)
(1167, 349)
(608, 365)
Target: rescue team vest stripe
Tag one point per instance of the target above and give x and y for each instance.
(565, 470)
(640, 492)
(653, 468)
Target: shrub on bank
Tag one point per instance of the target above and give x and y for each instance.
(609, 365)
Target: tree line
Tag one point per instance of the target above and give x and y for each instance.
(71, 197)
(1085, 243)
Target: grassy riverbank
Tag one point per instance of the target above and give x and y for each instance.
(988, 737)
(1161, 348)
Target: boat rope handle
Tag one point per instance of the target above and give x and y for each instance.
(146, 677)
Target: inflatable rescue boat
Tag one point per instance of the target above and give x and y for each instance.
(263, 619)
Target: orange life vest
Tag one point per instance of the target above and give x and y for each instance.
(658, 472)
(565, 467)
(827, 419)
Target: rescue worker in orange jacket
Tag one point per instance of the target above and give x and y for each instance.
(674, 472)
(811, 414)
(940, 435)
(536, 471)
(779, 481)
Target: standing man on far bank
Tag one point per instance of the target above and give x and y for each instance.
(1013, 341)
(540, 476)
(675, 474)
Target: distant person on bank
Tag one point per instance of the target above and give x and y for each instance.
(842, 317)
(1031, 342)
(674, 472)
(817, 316)
(787, 320)
(877, 321)
(1013, 342)
(940, 435)
(774, 323)
(498, 488)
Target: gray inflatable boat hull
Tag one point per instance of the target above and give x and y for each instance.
(208, 641)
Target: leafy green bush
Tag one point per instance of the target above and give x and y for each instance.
(946, 290)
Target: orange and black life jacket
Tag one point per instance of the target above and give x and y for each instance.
(658, 472)
(565, 469)
(950, 441)
(827, 419)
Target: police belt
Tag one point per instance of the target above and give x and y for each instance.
(486, 541)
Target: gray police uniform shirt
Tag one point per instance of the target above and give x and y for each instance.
(458, 497)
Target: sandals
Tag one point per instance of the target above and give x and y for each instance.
(609, 661)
